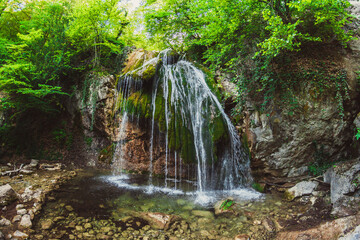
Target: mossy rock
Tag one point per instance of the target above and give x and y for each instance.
(288, 196)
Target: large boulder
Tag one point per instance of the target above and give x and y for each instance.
(7, 195)
(344, 180)
(301, 189)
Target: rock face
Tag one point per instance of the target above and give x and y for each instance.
(344, 180)
(7, 195)
(284, 142)
(92, 106)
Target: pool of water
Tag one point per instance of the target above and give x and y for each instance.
(105, 200)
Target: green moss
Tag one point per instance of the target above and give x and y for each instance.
(160, 112)
(188, 153)
(245, 143)
(149, 73)
(288, 196)
(218, 129)
(139, 103)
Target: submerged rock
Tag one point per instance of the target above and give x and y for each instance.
(159, 220)
(201, 213)
(7, 195)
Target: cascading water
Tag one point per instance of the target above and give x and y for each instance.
(127, 85)
(191, 115)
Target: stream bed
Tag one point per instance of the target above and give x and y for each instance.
(98, 205)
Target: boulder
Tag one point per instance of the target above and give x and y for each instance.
(159, 220)
(301, 189)
(344, 180)
(7, 195)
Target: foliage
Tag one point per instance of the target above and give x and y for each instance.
(46, 47)
(227, 204)
(246, 38)
(357, 135)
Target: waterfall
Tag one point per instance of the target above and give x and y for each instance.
(124, 89)
(190, 119)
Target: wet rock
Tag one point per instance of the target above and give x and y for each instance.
(4, 222)
(26, 221)
(7, 195)
(69, 208)
(159, 220)
(19, 234)
(46, 224)
(242, 237)
(201, 213)
(301, 189)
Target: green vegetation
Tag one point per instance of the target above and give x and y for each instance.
(227, 204)
(46, 47)
(249, 39)
(357, 135)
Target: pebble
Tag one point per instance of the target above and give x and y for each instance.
(16, 218)
(19, 234)
(26, 221)
(21, 212)
(5, 222)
